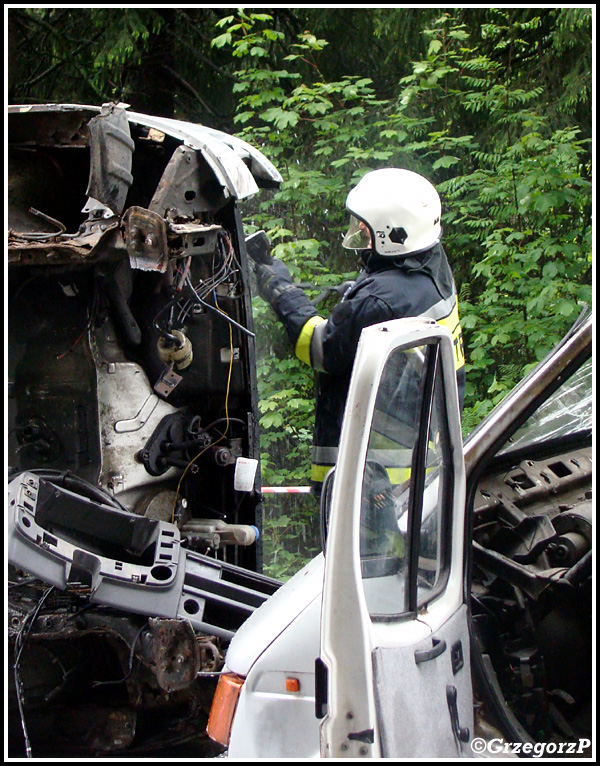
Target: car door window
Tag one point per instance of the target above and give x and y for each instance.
(405, 488)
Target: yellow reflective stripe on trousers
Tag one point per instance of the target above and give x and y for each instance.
(397, 476)
(395, 462)
(304, 339)
(319, 472)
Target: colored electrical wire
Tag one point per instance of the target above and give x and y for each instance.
(20, 642)
(89, 323)
(224, 434)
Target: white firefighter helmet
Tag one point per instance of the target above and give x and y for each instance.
(395, 212)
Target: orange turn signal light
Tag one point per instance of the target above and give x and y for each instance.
(292, 684)
(223, 708)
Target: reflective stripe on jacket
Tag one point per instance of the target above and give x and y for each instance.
(385, 290)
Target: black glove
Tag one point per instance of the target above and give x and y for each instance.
(287, 299)
(273, 280)
(258, 246)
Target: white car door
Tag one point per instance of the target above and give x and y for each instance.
(393, 678)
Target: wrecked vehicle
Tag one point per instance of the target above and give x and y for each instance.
(452, 604)
(451, 612)
(134, 509)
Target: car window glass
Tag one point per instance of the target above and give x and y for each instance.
(431, 566)
(387, 482)
(567, 411)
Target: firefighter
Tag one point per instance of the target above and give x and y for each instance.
(395, 226)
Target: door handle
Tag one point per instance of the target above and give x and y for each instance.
(462, 734)
(424, 655)
(321, 688)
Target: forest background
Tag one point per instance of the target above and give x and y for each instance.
(493, 105)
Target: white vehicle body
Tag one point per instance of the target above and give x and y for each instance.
(387, 682)
(290, 627)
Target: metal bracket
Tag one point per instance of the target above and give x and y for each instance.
(146, 239)
(168, 380)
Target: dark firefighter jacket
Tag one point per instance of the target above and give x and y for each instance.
(418, 285)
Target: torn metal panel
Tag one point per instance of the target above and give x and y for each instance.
(225, 159)
(265, 173)
(129, 413)
(188, 186)
(111, 150)
(59, 251)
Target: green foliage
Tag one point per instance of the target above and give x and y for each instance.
(491, 104)
(291, 533)
(515, 189)
(520, 210)
(89, 44)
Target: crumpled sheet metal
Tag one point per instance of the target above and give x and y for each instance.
(239, 167)
(56, 250)
(224, 153)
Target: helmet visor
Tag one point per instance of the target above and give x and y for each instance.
(358, 236)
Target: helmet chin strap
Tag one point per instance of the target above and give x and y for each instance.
(370, 258)
(366, 255)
